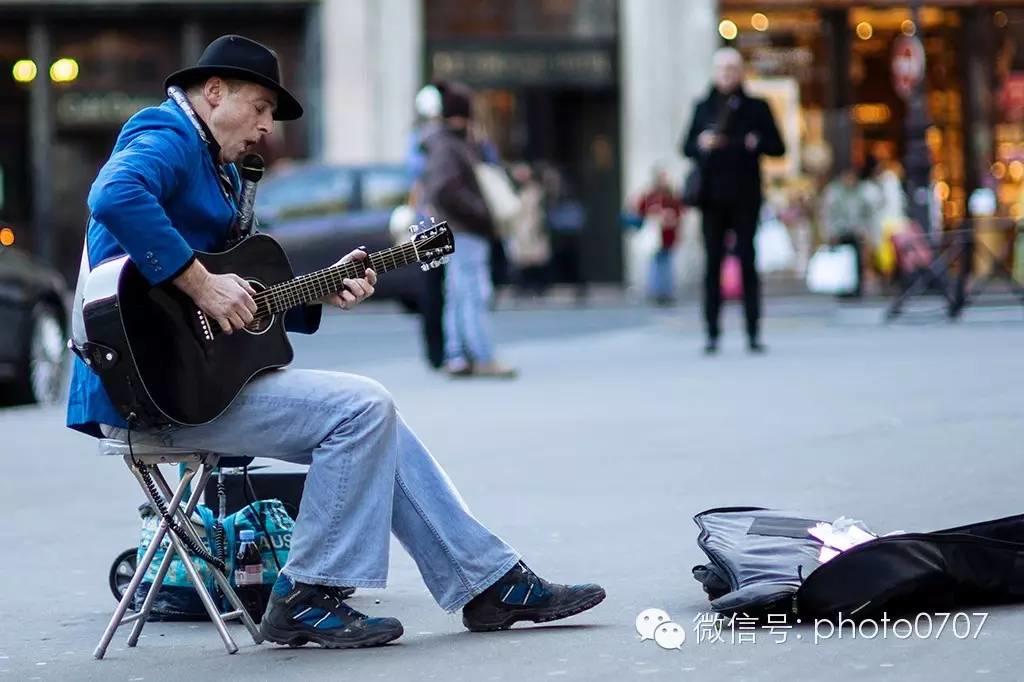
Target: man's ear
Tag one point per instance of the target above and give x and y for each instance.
(215, 90)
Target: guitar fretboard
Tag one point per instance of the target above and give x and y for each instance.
(322, 283)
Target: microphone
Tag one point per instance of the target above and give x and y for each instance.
(251, 172)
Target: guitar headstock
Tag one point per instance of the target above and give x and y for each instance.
(434, 243)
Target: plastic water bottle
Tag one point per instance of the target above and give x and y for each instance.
(249, 575)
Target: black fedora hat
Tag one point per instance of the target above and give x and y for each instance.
(244, 59)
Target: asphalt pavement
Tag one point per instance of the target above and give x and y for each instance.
(592, 464)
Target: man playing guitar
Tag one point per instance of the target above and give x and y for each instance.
(168, 190)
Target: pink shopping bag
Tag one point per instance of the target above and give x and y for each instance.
(732, 278)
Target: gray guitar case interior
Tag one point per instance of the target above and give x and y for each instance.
(764, 561)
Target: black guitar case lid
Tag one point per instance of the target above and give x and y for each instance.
(764, 561)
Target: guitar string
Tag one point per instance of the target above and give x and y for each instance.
(266, 299)
(327, 279)
(324, 280)
(292, 292)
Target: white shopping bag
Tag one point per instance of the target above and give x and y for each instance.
(641, 246)
(774, 247)
(500, 195)
(833, 270)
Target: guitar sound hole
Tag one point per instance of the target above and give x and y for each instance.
(259, 325)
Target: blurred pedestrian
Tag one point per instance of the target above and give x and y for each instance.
(566, 219)
(428, 117)
(729, 133)
(882, 183)
(661, 204)
(847, 217)
(529, 247)
(451, 189)
(431, 295)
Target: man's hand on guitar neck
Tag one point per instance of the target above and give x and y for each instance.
(228, 298)
(356, 290)
(224, 298)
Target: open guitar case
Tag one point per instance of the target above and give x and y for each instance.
(764, 561)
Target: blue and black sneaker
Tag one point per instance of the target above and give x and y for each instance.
(521, 594)
(298, 613)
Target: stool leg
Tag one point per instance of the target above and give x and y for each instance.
(122, 606)
(193, 574)
(204, 595)
(183, 486)
(140, 572)
(222, 581)
(147, 605)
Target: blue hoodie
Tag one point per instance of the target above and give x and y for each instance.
(158, 198)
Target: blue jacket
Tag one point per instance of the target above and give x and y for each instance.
(157, 199)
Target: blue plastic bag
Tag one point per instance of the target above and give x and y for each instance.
(177, 599)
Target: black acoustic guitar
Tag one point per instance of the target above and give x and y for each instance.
(163, 361)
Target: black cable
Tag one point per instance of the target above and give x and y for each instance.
(218, 527)
(250, 494)
(165, 515)
(222, 545)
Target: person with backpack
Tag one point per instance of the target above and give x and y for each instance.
(451, 190)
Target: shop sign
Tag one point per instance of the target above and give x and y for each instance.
(99, 109)
(907, 64)
(783, 61)
(514, 65)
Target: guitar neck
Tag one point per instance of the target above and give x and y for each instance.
(316, 285)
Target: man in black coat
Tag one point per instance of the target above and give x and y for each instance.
(729, 132)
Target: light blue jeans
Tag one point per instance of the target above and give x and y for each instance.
(467, 294)
(369, 475)
(659, 283)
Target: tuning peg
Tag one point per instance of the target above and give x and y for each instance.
(432, 220)
(425, 267)
(444, 260)
(412, 229)
(435, 264)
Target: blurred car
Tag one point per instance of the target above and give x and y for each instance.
(33, 329)
(321, 212)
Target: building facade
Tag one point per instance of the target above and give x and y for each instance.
(599, 88)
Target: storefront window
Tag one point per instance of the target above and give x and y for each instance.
(879, 113)
(792, 63)
(1007, 169)
(786, 56)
